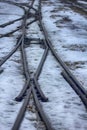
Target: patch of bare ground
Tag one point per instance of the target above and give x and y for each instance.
(65, 22)
(79, 10)
(68, 23)
(47, 2)
(77, 47)
(55, 16)
(75, 65)
(59, 8)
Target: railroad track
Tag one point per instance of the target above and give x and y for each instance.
(32, 86)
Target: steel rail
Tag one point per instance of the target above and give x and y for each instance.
(77, 90)
(70, 75)
(18, 44)
(31, 89)
(24, 4)
(26, 73)
(11, 53)
(21, 113)
(34, 79)
(30, 84)
(16, 47)
(24, 60)
(23, 109)
(25, 67)
(23, 91)
(19, 28)
(66, 68)
(11, 22)
(38, 71)
(41, 112)
(39, 91)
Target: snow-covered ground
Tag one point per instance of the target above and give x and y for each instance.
(82, 2)
(67, 30)
(12, 79)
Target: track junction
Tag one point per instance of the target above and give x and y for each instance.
(31, 89)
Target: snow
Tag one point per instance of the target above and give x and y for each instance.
(67, 31)
(66, 35)
(11, 82)
(65, 110)
(7, 15)
(34, 54)
(12, 79)
(10, 7)
(82, 2)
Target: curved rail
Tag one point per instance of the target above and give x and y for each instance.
(31, 86)
(12, 52)
(83, 92)
(21, 113)
(32, 83)
(34, 79)
(11, 22)
(19, 28)
(36, 75)
(13, 3)
(19, 40)
(69, 74)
